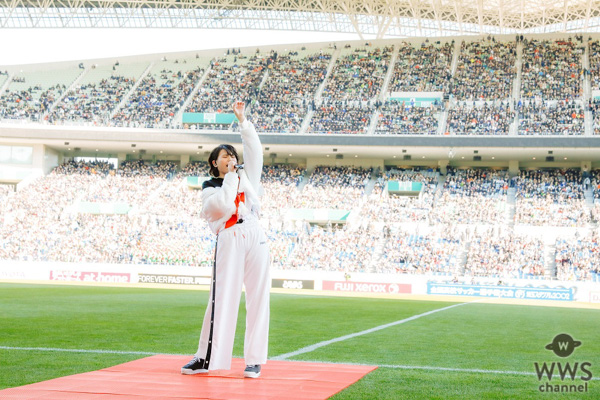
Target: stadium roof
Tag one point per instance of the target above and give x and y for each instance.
(373, 18)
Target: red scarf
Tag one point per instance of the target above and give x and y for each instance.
(234, 218)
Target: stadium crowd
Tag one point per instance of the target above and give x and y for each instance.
(282, 90)
(594, 64)
(488, 119)
(407, 252)
(29, 104)
(358, 75)
(594, 107)
(341, 117)
(560, 118)
(280, 185)
(551, 198)
(504, 255)
(92, 102)
(578, 258)
(333, 249)
(51, 229)
(552, 70)
(289, 90)
(45, 221)
(157, 99)
(399, 118)
(350, 92)
(335, 187)
(230, 77)
(391, 208)
(481, 192)
(486, 70)
(5, 191)
(422, 69)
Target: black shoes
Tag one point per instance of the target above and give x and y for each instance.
(252, 371)
(196, 366)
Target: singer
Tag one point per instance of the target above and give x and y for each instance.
(231, 205)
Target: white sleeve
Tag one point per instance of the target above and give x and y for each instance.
(253, 154)
(220, 202)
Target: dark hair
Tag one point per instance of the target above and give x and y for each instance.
(214, 171)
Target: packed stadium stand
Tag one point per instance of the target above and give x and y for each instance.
(289, 90)
(445, 217)
(486, 70)
(456, 224)
(423, 68)
(400, 118)
(231, 76)
(471, 119)
(484, 86)
(552, 69)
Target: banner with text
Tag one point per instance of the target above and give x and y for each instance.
(89, 276)
(367, 287)
(174, 279)
(293, 284)
(505, 292)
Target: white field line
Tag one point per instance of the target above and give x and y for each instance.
(431, 368)
(315, 346)
(144, 353)
(407, 367)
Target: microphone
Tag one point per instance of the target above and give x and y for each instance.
(239, 166)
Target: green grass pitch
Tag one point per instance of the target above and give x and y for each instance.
(445, 355)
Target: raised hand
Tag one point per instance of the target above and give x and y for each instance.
(238, 109)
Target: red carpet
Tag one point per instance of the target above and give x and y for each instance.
(158, 377)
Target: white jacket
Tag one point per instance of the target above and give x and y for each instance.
(218, 203)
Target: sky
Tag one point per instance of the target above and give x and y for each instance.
(49, 45)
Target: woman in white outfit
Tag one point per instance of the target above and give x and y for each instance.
(231, 205)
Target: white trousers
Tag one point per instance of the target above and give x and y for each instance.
(242, 256)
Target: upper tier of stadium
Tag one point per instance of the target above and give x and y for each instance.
(500, 86)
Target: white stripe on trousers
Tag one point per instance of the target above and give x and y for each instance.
(242, 257)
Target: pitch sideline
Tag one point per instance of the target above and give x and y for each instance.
(407, 367)
(284, 356)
